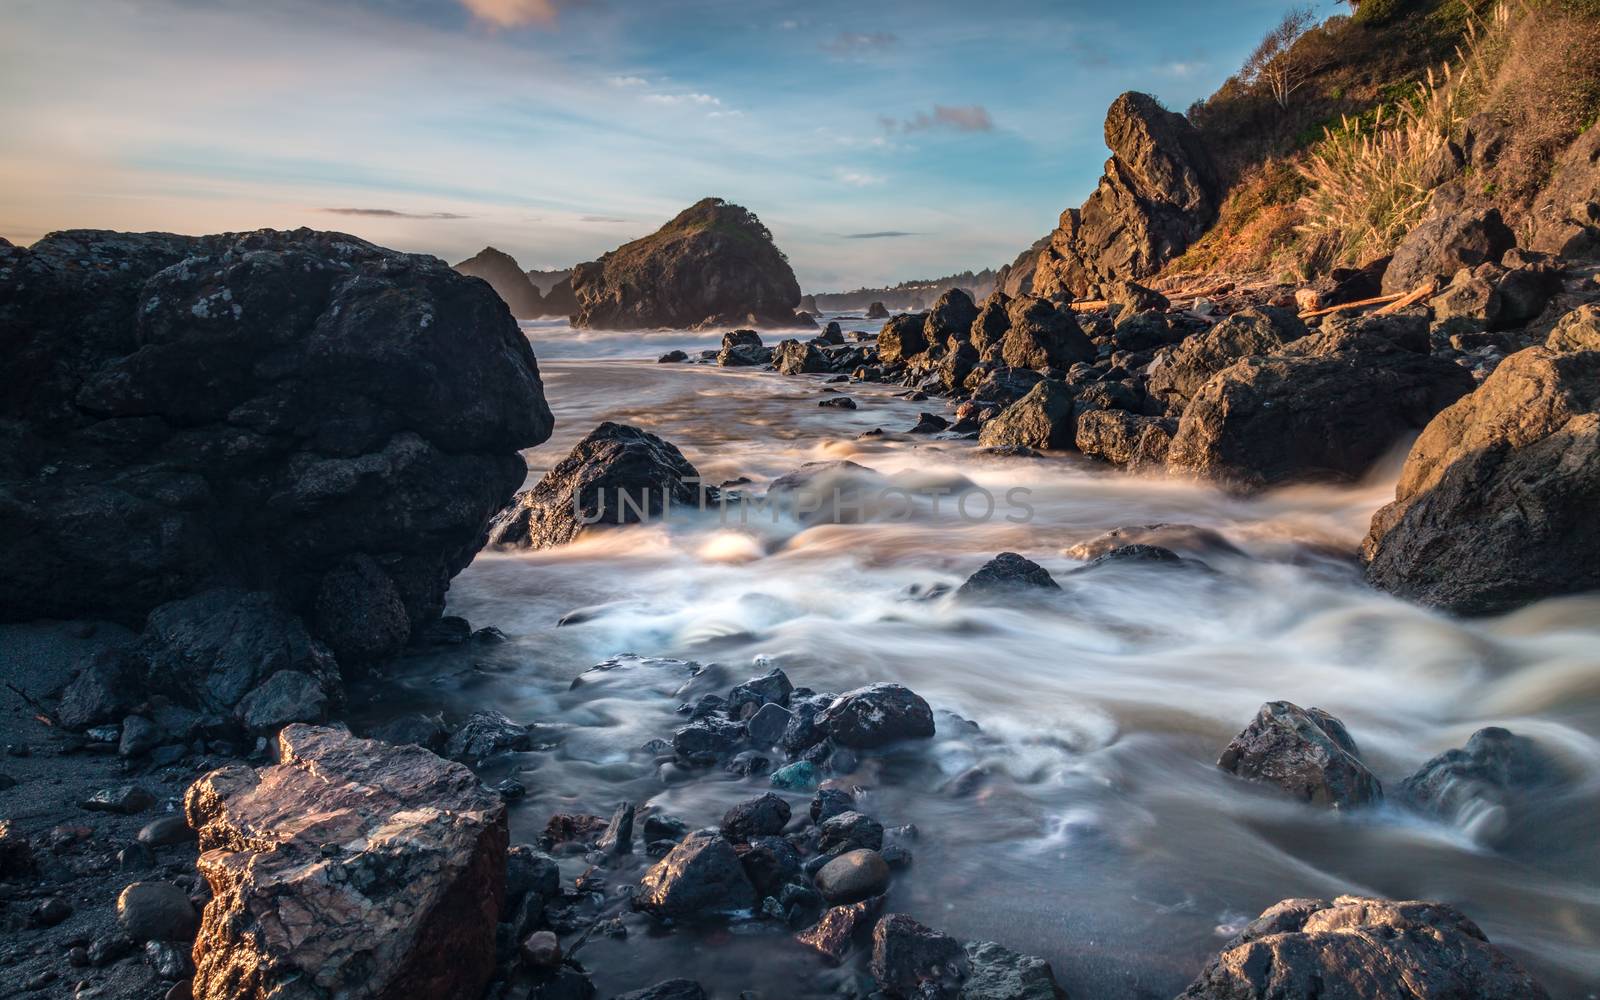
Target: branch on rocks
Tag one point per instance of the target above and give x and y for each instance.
(40, 713)
(1381, 300)
(1420, 293)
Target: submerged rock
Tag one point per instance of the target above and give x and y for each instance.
(699, 878)
(1476, 786)
(762, 816)
(714, 264)
(832, 936)
(1007, 572)
(875, 716)
(616, 475)
(1363, 949)
(1306, 752)
(350, 868)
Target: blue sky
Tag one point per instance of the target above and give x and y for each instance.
(879, 141)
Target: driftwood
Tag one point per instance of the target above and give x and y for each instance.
(1381, 300)
(1089, 305)
(1417, 294)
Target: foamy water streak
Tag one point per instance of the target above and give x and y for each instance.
(1083, 818)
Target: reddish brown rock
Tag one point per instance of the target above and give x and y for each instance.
(352, 868)
(831, 936)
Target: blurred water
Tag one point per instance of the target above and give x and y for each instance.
(1083, 818)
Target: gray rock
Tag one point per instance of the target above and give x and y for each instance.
(1006, 573)
(1306, 752)
(1477, 787)
(486, 734)
(877, 715)
(124, 799)
(853, 876)
(763, 816)
(998, 973)
(156, 911)
(699, 878)
(1043, 418)
(139, 736)
(909, 958)
(767, 725)
(287, 696)
(849, 831)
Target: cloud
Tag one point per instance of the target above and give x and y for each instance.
(725, 114)
(969, 118)
(392, 213)
(1184, 69)
(600, 218)
(628, 81)
(854, 43)
(704, 100)
(857, 178)
(885, 234)
(512, 13)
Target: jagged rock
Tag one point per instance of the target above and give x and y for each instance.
(1452, 234)
(559, 300)
(792, 357)
(1306, 752)
(155, 911)
(1363, 949)
(1324, 408)
(700, 877)
(713, 265)
(1159, 194)
(1177, 376)
(350, 868)
(831, 334)
(742, 349)
(1137, 442)
(771, 688)
(1044, 418)
(287, 696)
(903, 338)
(1144, 331)
(618, 474)
(876, 715)
(831, 936)
(830, 802)
(1041, 336)
(1003, 385)
(770, 863)
(1007, 572)
(1566, 215)
(1476, 786)
(508, 280)
(1494, 504)
(950, 318)
(763, 816)
(877, 311)
(848, 831)
(909, 958)
(1578, 330)
(989, 326)
(249, 409)
(485, 734)
(998, 973)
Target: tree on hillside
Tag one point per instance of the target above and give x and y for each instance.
(1274, 64)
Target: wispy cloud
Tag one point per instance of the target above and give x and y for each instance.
(512, 13)
(627, 81)
(857, 178)
(855, 43)
(600, 218)
(704, 100)
(393, 213)
(885, 234)
(966, 118)
(1184, 69)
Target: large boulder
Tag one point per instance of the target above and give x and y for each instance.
(903, 338)
(1041, 336)
(792, 357)
(1454, 233)
(1177, 375)
(877, 715)
(508, 280)
(1578, 330)
(950, 317)
(1326, 408)
(1041, 419)
(1566, 215)
(252, 409)
(992, 321)
(351, 868)
(1358, 948)
(1478, 786)
(1306, 752)
(699, 878)
(1495, 503)
(1158, 195)
(713, 265)
(618, 474)
(1138, 443)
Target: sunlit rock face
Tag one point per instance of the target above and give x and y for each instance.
(353, 868)
(279, 411)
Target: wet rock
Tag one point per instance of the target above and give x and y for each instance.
(616, 475)
(405, 903)
(1451, 235)
(572, 828)
(768, 724)
(672, 989)
(672, 357)
(830, 802)
(1184, 538)
(1007, 572)
(564, 982)
(1362, 948)
(769, 864)
(903, 338)
(1477, 786)
(713, 264)
(1041, 336)
(168, 960)
(1138, 443)
(1492, 507)
(1141, 553)
(139, 736)
(998, 973)
(486, 734)
(1325, 408)
(416, 728)
(156, 911)
(910, 960)
(618, 836)
(763, 816)
(801, 776)
(877, 715)
(124, 799)
(701, 877)
(542, 950)
(166, 831)
(952, 316)
(773, 688)
(853, 876)
(838, 403)
(791, 357)
(707, 739)
(101, 692)
(832, 935)
(849, 831)
(877, 311)
(294, 396)
(287, 696)
(1178, 375)
(1043, 418)
(359, 612)
(929, 423)
(529, 871)
(1307, 753)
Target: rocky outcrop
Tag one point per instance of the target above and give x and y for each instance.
(1158, 195)
(264, 410)
(1495, 503)
(713, 265)
(560, 300)
(792, 357)
(508, 280)
(1566, 215)
(1454, 233)
(1040, 336)
(1136, 442)
(1043, 418)
(616, 475)
(1362, 949)
(1326, 408)
(902, 338)
(351, 868)
(1306, 752)
(1177, 375)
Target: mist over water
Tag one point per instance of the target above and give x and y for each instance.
(1069, 806)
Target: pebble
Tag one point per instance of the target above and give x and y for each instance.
(853, 876)
(50, 912)
(167, 830)
(124, 799)
(542, 950)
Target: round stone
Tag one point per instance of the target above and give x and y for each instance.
(156, 911)
(853, 876)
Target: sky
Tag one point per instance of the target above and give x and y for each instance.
(879, 141)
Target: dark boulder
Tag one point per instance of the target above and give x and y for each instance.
(832, 936)
(1188, 539)
(1178, 375)
(713, 264)
(1452, 234)
(791, 357)
(486, 734)
(1041, 336)
(998, 973)
(672, 357)
(830, 802)
(251, 409)
(359, 613)
(992, 321)
(1306, 752)
(771, 688)
(1136, 442)
(616, 475)
(875, 716)
(950, 318)
(1477, 786)
(1494, 504)
(1004, 385)
(699, 878)
(763, 816)
(911, 960)
(156, 911)
(849, 831)
(770, 863)
(877, 311)
(1362, 949)
(508, 280)
(1144, 331)
(1324, 408)
(743, 349)
(1007, 573)
(1044, 419)
(902, 338)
